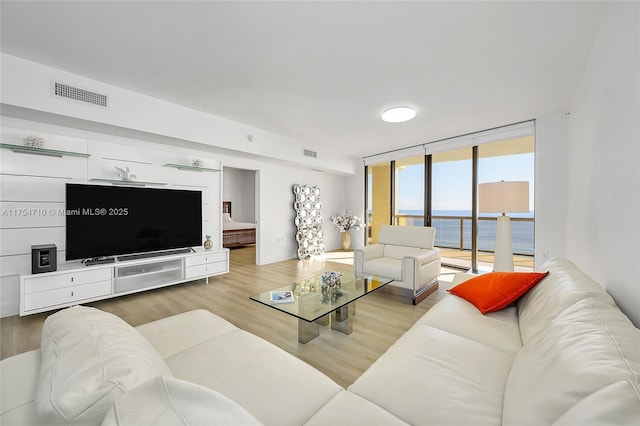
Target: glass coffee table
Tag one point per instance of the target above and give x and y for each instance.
(315, 305)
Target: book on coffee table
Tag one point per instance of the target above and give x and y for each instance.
(285, 296)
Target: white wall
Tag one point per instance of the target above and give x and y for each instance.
(26, 85)
(277, 230)
(551, 193)
(354, 201)
(603, 229)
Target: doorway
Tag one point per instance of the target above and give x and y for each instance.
(240, 224)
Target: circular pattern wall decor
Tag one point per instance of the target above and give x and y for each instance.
(308, 220)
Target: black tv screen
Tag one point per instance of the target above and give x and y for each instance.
(116, 220)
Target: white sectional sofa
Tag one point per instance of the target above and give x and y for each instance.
(564, 354)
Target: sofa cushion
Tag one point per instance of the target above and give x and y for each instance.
(587, 347)
(433, 377)
(18, 384)
(399, 252)
(496, 290)
(273, 385)
(564, 286)
(347, 408)
(87, 358)
(167, 401)
(385, 267)
(617, 404)
(176, 333)
(499, 329)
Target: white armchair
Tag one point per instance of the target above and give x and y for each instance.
(406, 254)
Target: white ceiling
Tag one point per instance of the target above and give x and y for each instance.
(323, 72)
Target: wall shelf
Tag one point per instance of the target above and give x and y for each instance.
(23, 149)
(190, 168)
(127, 182)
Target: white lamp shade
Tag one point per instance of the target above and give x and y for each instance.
(503, 197)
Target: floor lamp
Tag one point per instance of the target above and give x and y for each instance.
(503, 197)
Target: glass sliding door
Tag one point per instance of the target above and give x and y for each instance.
(451, 187)
(409, 191)
(508, 160)
(378, 199)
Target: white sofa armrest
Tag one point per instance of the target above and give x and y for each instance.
(19, 380)
(425, 256)
(365, 253)
(421, 269)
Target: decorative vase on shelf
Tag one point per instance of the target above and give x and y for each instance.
(34, 141)
(208, 244)
(346, 240)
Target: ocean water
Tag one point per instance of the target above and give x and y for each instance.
(448, 230)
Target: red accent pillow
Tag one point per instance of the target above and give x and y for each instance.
(496, 290)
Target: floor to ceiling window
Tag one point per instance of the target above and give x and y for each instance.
(452, 204)
(508, 160)
(378, 199)
(436, 185)
(409, 190)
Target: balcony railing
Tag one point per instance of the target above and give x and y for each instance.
(455, 232)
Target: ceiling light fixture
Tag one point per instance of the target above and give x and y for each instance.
(398, 114)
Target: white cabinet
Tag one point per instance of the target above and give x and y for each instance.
(146, 275)
(205, 265)
(80, 284)
(43, 292)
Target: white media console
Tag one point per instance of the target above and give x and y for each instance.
(76, 283)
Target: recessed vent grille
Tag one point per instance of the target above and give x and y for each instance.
(77, 94)
(310, 153)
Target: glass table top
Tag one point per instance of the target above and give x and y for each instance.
(311, 301)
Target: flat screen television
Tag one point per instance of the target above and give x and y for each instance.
(118, 220)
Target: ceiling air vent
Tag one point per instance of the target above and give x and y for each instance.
(309, 153)
(66, 91)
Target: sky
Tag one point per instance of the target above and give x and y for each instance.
(452, 181)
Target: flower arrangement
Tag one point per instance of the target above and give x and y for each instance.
(347, 221)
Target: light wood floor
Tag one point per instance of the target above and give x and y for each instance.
(382, 317)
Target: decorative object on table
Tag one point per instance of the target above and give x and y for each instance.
(330, 288)
(344, 223)
(308, 220)
(285, 296)
(197, 162)
(125, 174)
(503, 197)
(310, 285)
(331, 278)
(208, 244)
(34, 141)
